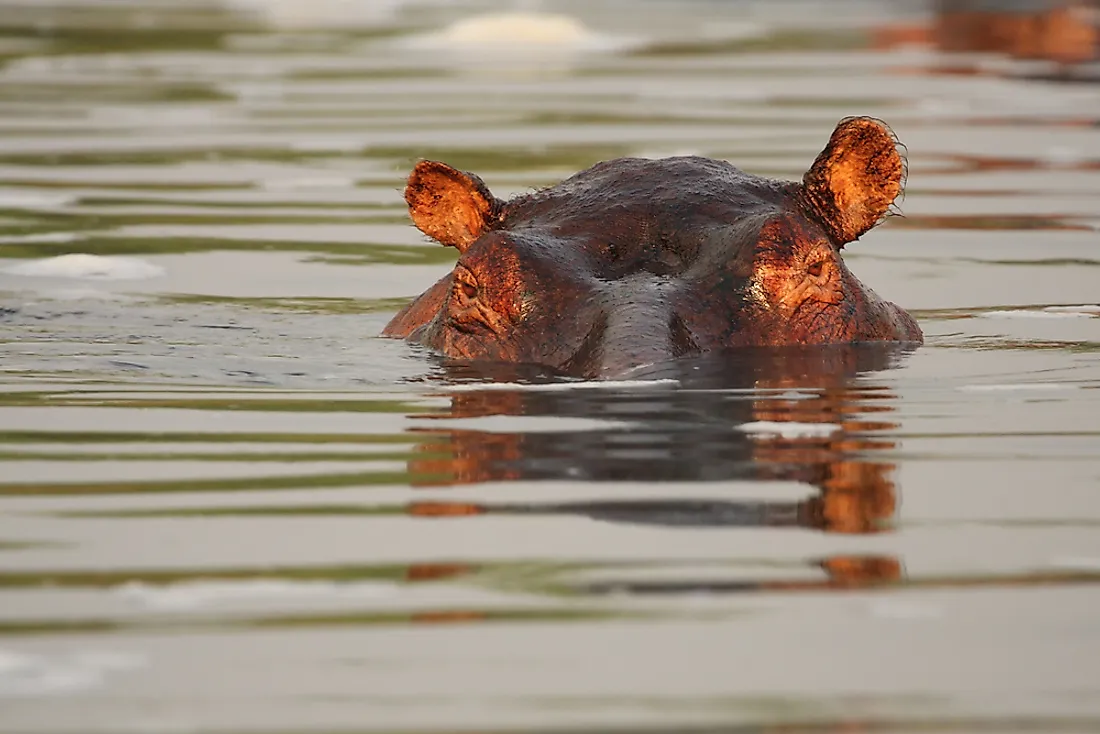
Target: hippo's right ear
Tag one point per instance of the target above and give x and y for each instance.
(450, 206)
(853, 182)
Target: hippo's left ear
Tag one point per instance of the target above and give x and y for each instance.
(450, 206)
(853, 182)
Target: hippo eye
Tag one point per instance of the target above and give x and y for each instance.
(465, 284)
(816, 268)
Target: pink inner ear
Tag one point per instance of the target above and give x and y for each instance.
(450, 206)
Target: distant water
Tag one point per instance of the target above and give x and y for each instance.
(226, 505)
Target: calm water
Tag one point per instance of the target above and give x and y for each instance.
(227, 505)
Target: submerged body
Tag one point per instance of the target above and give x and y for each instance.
(637, 261)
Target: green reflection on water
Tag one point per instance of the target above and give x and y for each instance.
(13, 545)
(160, 158)
(250, 484)
(549, 578)
(86, 33)
(500, 158)
(364, 73)
(183, 186)
(291, 511)
(102, 437)
(346, 252)
(785, 40)
(354, 619)
(989, 223)
(227, 403)
(732, 119)
(281, 457)
(299, 305)
(105, 579)
(33, 223)
(116, 93)
(233, 207)
(497, 158)
(984, 343)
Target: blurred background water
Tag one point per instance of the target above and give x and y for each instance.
(226, 505)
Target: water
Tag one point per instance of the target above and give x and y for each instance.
(226, 505)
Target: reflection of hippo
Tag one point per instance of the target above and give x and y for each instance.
(1064, 31)
(638, 261)
(693, 433)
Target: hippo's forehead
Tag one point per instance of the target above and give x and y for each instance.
(683, 190)
(632, 212)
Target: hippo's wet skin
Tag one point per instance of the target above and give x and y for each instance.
(636, 262)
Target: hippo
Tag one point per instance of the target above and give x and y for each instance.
(635, 262)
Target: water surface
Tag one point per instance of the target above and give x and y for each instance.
(227, 505)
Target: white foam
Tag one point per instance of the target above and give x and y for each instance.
(789, 429)
(1025, 314)
(1063, 155)
(1077, 563)
(48, 237)
(519, 32)
(20, 199)
(564, 386)
(793, 395)
(528, 424)
(10, 661)
(200, 594)
(88, 267)
(1018, 386)
(1084, 308)
(39, 675)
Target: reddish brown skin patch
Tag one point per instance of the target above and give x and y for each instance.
(634, 262)
(811, 297)
(452, 207)
(421, 310)
(853, 182)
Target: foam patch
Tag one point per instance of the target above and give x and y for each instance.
(520, 32)
(789, 429)
(88, 267)
(25, 675)
(1025, 314)
(203, 594)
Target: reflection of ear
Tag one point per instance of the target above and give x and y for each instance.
(450, 206)
(853, 182)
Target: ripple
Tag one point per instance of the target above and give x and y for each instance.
(1018, 387)
(88, 267)
(226, 469)
(51, 675)
(203, 594)
(1032, 314)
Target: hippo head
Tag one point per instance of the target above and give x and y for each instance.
(638, 261)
